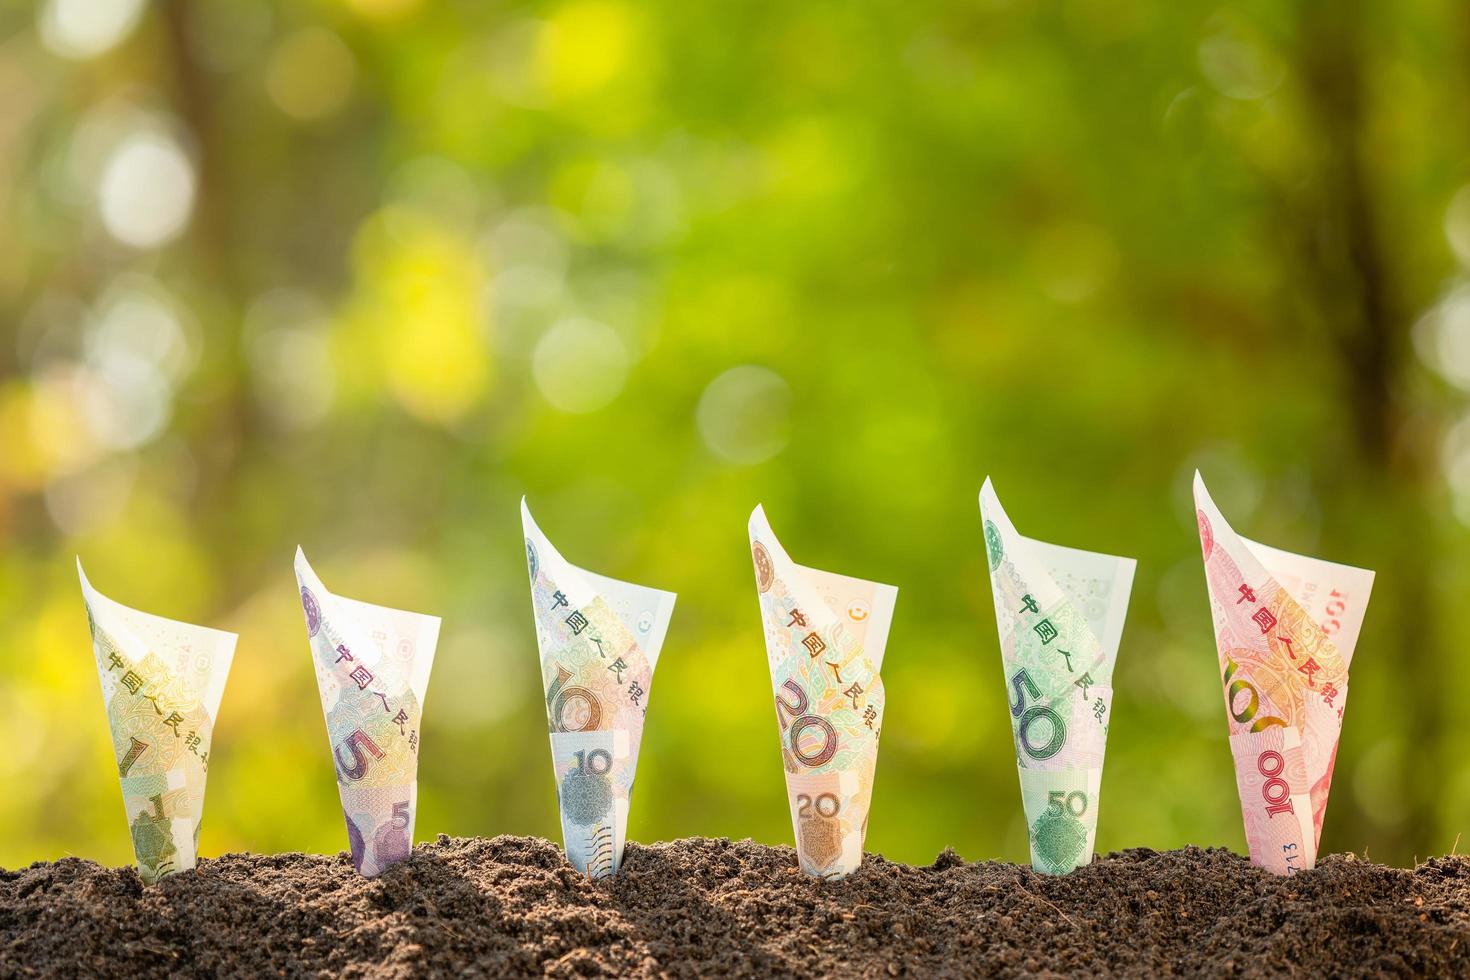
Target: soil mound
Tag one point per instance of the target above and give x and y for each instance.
(697, 908)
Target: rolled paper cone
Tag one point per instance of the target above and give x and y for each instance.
(1285, 629)
(372, 671)
(161, 683)
(1060, 614)
(599, 642)
(825, 637)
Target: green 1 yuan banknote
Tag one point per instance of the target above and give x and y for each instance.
(599, 640)
(161, 682)
(1060, 614)
(372, 671)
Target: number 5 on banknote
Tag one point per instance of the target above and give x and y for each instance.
(1060, 615)
(1285, 629)
(372, 672)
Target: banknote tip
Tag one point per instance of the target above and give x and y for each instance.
(528, 523)
(990, 506)
(758, 520)
(1199, 486)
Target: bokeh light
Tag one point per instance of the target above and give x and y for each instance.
(310, 74)
(744, 414)
(87, 28)
(287, 336)
(580, 365)
(146, 190)
(1457, 225)
(1442, 337)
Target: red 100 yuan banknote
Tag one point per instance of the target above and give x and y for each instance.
(1285, 627)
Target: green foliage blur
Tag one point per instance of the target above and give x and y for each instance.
(357, 274)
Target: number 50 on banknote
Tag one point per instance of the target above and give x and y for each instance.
(1060, 615)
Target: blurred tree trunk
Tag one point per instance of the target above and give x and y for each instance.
(1350, 282)
(194, 96)
(218, 444)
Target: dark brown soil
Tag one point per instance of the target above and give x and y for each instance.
(696, 908)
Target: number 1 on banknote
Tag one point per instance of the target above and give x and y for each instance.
(161, 682)
(1285, 629)
(1060, 615)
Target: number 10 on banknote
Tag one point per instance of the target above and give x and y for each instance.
(599, 640)
(1285, 629)
(1060, 615)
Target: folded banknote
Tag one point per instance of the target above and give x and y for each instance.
(372, 671)
(161, 682)
(1060, 614)
(599, 640)
(1285, 629)
(825, 636)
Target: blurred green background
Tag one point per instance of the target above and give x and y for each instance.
(358, 274)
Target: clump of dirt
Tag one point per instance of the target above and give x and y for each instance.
(696, 908)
